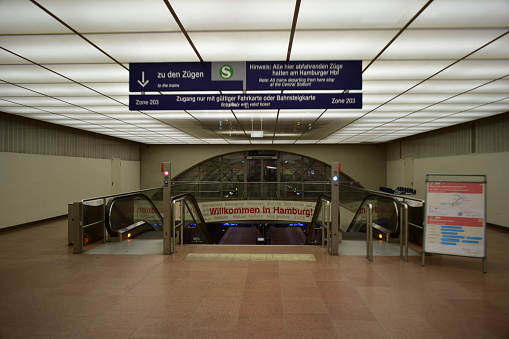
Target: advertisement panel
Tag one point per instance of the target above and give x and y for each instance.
(455, 218)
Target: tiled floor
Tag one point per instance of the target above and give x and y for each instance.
(47, 292)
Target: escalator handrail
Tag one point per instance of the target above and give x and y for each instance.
(109, 206)
(188, 197)
(318, 207)
(395, 200)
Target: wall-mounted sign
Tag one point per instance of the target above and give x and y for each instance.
(242, 76)
(245, 101)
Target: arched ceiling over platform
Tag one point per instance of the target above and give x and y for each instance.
(425, 64)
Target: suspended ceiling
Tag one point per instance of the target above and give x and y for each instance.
(426, 64)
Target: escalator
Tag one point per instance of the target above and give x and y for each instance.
(128, 216)
(353, 218)
(135, 216)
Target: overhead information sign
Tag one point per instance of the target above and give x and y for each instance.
(245, 101)
(245, 76)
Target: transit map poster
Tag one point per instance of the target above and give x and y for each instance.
(455, 218)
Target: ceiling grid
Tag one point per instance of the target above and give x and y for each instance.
(426, 64)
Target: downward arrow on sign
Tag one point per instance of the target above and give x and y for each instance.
(143, 83)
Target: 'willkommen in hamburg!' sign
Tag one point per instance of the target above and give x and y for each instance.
(219, 211)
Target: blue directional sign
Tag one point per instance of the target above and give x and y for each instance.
(242, 76)
(245, 101)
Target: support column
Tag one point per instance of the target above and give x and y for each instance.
(335, 233)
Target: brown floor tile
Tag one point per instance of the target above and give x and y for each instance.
(360, 329)
(62, 295)
(257, 311)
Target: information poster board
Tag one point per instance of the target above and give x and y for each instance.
(455, 217)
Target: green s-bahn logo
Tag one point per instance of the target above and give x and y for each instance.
(226, 72)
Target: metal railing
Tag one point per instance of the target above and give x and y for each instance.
(397, 207)
(187, 205)
(240, 190)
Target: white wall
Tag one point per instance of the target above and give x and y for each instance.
(493, 165)
(364, 163)
(36, 187)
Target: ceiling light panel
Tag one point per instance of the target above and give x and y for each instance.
(28, 74)
(424, 99)
(447, 86)
(438, 44)
(96, 100)
(339, 45)
(61, 89)
(145, 47)
(117, 88)
(404, 69)
(241, 46)
(499, 86)
(477, 98)
(113, 15)
(476, 69)
(36, 101)
(109, 72)
(7, 57)
(392, 87)
(495, 50)
(199, 15)
(365, 13)
(23, 17)
(470, 13)
(53, 48)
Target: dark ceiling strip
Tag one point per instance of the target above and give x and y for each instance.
(292, 32)
(78, 34)
(241, 126)
(179, 23)
(290, 45)
(397, 35)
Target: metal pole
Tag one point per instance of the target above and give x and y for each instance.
(323, 214)
(335, 236)
(182, 220)
(77, 223)
(403, 235)
(168, 230)
(369, 232)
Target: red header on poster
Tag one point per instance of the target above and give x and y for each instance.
(456, 187)
(454, 221)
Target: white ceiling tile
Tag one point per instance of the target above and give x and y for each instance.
(23, 17)
(145, 47)
(109, 72)
(220, 15)
(330, 14)
(476, 69)
(242, 46)
(438, 44)
(470, 13)
(404, 69)
(339, 45)
(29, 74)
(44, 49)
(113, 15)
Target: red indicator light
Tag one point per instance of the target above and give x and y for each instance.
(166, 173)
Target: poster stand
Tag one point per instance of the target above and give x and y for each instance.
(455, 216)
